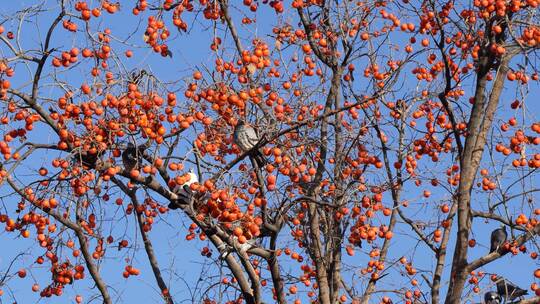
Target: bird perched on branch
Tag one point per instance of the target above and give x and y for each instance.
(88, 160)
(92, 161)
(131, 157)
(184, 191)
(84, 158)
(491, 297)
(498, 237)
(246, 138)
(508, 290)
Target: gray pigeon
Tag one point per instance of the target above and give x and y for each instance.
(246, 138)
(498, 237)
(491, 297)
(508, 290)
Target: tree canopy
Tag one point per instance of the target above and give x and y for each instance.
(312, 151)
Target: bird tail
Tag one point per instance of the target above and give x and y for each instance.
(184, 194)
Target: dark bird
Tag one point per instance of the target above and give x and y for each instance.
(508, 290)
(184, 196)
(247, 138)
(498, 237)
(132, 156)
(130, 159)
(86, 159)
(491, 297)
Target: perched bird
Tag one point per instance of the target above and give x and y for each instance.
(84, 158)
(131, 157)
(247, 138)
(184, 191)
(498, 237)
(88, 160)
(508, 290)
(491, 297)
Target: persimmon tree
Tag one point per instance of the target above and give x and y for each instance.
(393, 132)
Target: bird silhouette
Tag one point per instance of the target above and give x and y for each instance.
(184, 191)
(498, 237)
(84, 158)
(508, 290)
(246, 137)
(130, 157)
(491, 297)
